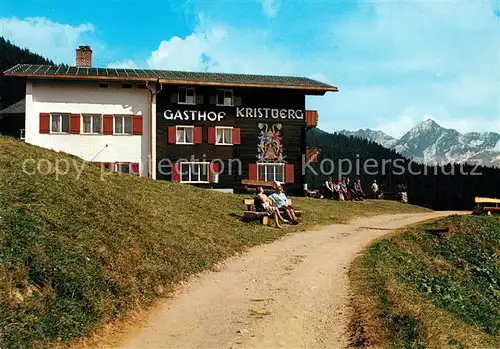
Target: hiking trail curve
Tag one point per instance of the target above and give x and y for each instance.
(292, 293)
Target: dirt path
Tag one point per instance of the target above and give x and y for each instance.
(292, 293)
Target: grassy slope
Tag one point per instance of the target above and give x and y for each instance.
(416, 290)
(77, 253)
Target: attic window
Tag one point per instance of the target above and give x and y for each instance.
(103, 85)
(126, 85)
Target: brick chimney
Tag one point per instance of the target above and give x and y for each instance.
(84, 56)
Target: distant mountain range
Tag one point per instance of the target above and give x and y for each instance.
(432, 144)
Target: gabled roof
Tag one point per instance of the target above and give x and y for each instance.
(168, 77)
(16, 108)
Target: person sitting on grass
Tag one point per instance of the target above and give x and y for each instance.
(267, 206)
(338, 191)
(281, 201)
(345, 191)
(358, 190)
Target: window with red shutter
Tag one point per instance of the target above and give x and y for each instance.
(134, 168)
(172, 134)
(74, 125)
(214, 171)
(107, 124)
(289, 173)
(176, 172)
(211, 135)
(252, 172)
(137, 125)
(236, 136)
(197, 135)
(44, 123)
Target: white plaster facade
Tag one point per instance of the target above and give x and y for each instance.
(84, 97)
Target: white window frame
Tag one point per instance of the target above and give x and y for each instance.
(123, 133)
(117, 167)
(198, 180)
(184, 127)
(61, 123)
(267, 166)
(230, 128)
(185, 89)
(92, 124)
(224, 103)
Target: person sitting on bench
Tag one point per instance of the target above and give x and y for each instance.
(281, 202)
(266, 204)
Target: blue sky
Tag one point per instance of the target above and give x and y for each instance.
(396, 63)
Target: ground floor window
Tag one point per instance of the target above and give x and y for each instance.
(271, 172)
(123, 168)
(194, 172)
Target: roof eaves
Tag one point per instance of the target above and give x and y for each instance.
(313, 86)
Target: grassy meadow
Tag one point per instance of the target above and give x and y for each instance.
(417, 289)
(77, 252)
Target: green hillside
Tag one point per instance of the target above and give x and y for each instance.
(417, 289)
(77, 251)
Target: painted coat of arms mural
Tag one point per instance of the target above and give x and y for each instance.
(269, 146)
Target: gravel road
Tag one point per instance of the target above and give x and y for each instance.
(292, 293)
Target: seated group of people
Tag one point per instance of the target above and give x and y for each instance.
(276, 205)
(343, 190)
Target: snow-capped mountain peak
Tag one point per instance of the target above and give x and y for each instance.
(372, 135)
(428, 142)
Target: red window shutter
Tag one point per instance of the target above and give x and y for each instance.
(134, 168)
(211, 135)
(137, 125)
(289, 173)
(236, 136)
(176, 172)
(74, 124)
(197, 137)
(214, 170)
(252, 172)
(44, 123)
(107, 124)
(172, 133)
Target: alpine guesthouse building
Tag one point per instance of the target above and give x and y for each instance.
(208, 129)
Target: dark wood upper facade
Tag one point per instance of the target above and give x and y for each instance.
(258, 140)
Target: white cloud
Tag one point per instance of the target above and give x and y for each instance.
(270, 7)
(181, 54)
(221, 48)
(52, 40)
(126, 63)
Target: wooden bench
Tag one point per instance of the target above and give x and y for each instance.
(251, 214)
(251, 185)
(486, 205)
